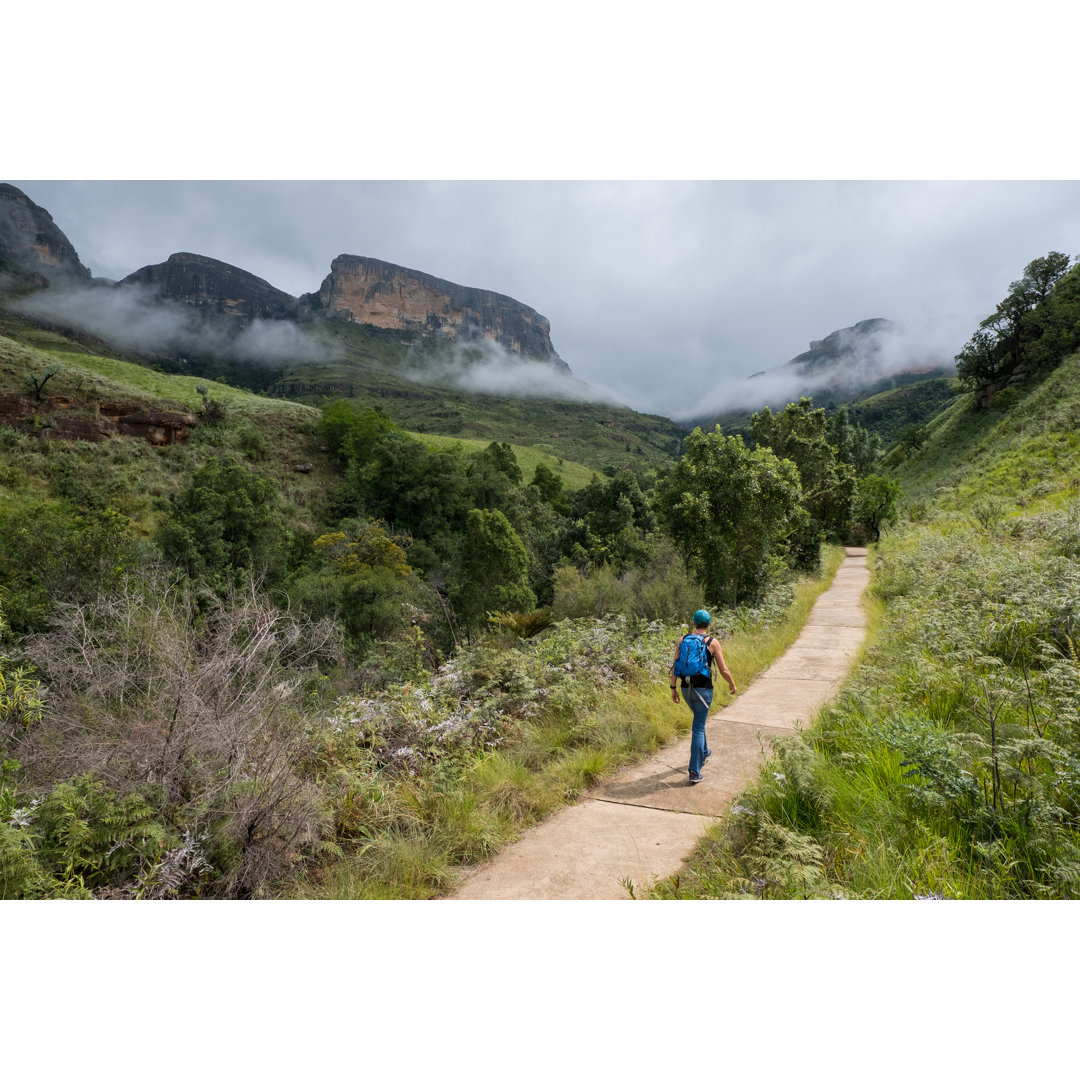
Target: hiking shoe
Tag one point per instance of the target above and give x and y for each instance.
(695, 778)
(708, 754)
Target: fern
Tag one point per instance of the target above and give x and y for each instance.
(89, 837)
(522, 624)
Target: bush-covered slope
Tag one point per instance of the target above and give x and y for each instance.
(950, 766)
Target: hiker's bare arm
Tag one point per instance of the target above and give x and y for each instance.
(714, 648)
(674, 681)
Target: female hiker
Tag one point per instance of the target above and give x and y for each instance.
(694, 656)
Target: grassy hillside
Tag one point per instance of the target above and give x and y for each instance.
(593, 434)
(277, 435)
(574, 476)
(950, 765)
(888, 413)
(373, 367)
(1019, 454)
(135, 477)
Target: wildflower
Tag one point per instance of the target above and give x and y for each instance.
(780, 777)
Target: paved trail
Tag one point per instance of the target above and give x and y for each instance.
(644, 822)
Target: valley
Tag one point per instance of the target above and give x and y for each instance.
(336, 595)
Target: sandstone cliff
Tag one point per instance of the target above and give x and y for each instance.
(33, 251)
(381, 294)
(207, 283)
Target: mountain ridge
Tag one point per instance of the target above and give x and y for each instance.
(35, 253)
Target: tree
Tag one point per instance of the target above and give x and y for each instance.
(876, 504)
(494, 569)
(226, 524)
(38, 381)
(853, 444)
(351, 432)
(799, 434)
(912, 437)
(397, 479)
(53, 555)
(503, 458)
(616, 519)
(730, 510)
(1005, 347)
(550, 486)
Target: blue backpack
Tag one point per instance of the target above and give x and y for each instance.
(694, 656)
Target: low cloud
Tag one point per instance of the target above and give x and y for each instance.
(134, 318)
(867, 359)
(485, 367)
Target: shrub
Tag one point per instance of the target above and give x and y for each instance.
(226, 524)
(206, 708)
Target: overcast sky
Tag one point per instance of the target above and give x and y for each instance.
(669, 294)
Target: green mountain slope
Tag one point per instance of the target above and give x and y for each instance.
(382, 368)
(1022, 452)
(277, 434)
(889, 412)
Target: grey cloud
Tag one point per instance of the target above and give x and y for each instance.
(485, 367)
(132, 317)
(926, 346)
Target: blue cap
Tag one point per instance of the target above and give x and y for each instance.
(702, 617)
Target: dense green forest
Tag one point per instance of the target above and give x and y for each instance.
(304, 651)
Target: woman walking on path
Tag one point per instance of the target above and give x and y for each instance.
(694, 656)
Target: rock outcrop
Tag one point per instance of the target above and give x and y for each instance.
(33, 251)
(207, 283)
(59, 417)
(377, 293)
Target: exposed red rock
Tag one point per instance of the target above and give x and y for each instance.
(48, 419)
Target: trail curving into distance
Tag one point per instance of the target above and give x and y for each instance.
(643, 823)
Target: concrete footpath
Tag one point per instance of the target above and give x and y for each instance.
(642, 824)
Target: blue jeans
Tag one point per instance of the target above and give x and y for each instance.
(699, 701)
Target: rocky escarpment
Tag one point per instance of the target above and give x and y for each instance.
(33, 251)
(381, 294)
(368, 292)
(207, 283)
(59, 417)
